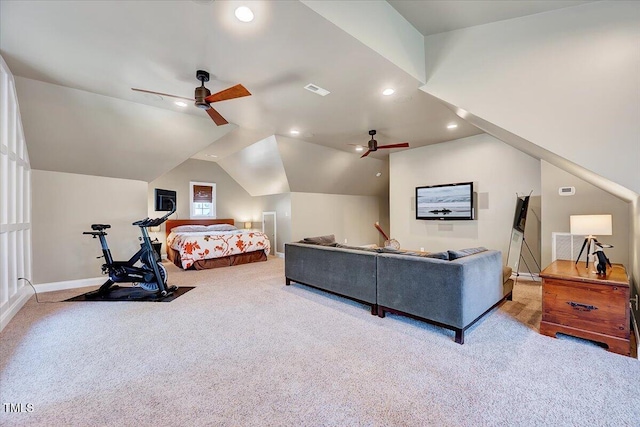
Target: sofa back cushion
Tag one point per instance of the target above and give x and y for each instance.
(360, 248)
(437, 255)
(328, 240)
(453, 255)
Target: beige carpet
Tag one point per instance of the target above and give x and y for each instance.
(242, 349)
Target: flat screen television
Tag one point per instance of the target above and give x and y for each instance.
(445, 202)
(164, 199)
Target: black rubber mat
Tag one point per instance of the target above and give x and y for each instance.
(130, 293)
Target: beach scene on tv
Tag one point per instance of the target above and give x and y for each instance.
(444, 202)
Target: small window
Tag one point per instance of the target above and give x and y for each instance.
(202, 200)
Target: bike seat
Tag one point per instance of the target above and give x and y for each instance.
(100, 227)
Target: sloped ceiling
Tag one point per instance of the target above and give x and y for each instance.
(258, 168)
(313, 168)
(101, 49)
(108, 47)
(279, 164)
(71, 130)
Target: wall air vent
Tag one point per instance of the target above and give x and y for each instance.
(317, 89)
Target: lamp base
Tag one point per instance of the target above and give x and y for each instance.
(587, 244)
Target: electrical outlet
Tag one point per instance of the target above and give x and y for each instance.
(421, 249)
(345, 240)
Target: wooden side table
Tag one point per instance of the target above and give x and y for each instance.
(578, 302)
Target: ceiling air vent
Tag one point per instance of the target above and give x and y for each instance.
(316, 89)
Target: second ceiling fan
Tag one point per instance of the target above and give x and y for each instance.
(373, 145)
(203, 97)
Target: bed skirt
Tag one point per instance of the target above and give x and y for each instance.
(227, 261)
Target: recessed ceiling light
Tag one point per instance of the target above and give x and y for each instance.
(452, 126)
(294, 132)
(388, 92)
(359, 148)
(244, 14)
(211, 155)
(181, 103)
(379, 174)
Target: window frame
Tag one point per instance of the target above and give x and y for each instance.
(192, 208)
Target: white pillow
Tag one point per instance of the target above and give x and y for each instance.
(188, 228)
(220, 227)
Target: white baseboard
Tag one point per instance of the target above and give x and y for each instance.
(70, 284)
(280, 254)
(12, 308)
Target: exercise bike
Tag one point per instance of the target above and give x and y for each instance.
(151, 276)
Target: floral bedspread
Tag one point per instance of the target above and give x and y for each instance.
(195, 246)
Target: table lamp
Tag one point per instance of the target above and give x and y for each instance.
(247, 224)
(590, 226)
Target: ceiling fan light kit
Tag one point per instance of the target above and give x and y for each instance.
(203, 97)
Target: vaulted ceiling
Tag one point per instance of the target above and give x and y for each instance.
(77, 63)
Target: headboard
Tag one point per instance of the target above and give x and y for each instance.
(170, 223)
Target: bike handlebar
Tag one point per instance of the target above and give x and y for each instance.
(148, 222)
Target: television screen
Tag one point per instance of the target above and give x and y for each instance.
(164, 199)
(520, 216)
(445, 202)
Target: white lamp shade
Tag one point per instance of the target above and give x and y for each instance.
(591, 225)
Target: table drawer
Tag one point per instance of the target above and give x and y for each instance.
(598, 308)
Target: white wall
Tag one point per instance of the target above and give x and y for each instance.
(65, 205)
(232, 201)
(15, 202)
(588, 200)
(634, 254)
(347, 217)
(498, 172)
(566, 80)
(281, 205)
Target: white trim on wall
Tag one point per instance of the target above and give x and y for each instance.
(70, 284)
(15, 202)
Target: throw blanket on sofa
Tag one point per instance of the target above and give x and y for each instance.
(194, 246)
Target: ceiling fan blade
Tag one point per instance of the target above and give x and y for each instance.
(217, 118)
(237, 91)
(162, 94)
(366, 154)
(400, 145)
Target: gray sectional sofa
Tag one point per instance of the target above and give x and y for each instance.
(450, 293)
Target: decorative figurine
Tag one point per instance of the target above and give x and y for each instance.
(602, 260)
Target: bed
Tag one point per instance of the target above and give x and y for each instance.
(198, 244)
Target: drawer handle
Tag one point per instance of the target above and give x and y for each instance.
(582, 307)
